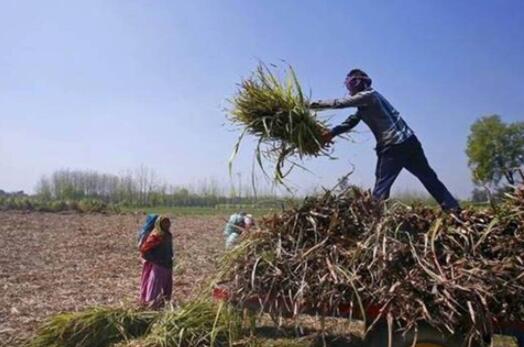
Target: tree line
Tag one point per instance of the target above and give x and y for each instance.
(141, 187)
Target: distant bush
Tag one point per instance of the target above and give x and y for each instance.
(496, 195)
(35, 204)
(91, 205)
(479, 195)
(411, 197)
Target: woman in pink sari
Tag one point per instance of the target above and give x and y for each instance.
(157, 275)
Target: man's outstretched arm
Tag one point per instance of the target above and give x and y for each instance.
(359, 99)
(345, 126)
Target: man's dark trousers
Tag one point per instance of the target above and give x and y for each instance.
(409, 155)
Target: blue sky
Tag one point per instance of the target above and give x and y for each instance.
(110, 85)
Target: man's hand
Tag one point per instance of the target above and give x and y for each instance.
(314, 105)
(327, 138)
(318, 105)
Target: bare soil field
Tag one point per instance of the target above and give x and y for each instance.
(63, 262)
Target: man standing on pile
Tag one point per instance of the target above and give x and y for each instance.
(397, 145)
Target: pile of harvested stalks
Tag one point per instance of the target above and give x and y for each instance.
(416, 263)
(276, 112)
(94, 327)
(198, 323)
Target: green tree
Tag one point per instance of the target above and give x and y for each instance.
(495, 150)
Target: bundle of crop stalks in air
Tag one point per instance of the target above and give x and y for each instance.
(416, 263)
(94, 327)
(276, 112)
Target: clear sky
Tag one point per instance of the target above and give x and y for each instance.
(109, 85)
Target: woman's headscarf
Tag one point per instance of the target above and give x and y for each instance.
(158, 225)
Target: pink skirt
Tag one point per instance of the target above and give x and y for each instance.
(156, 285)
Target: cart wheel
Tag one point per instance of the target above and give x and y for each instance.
(427, 336)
